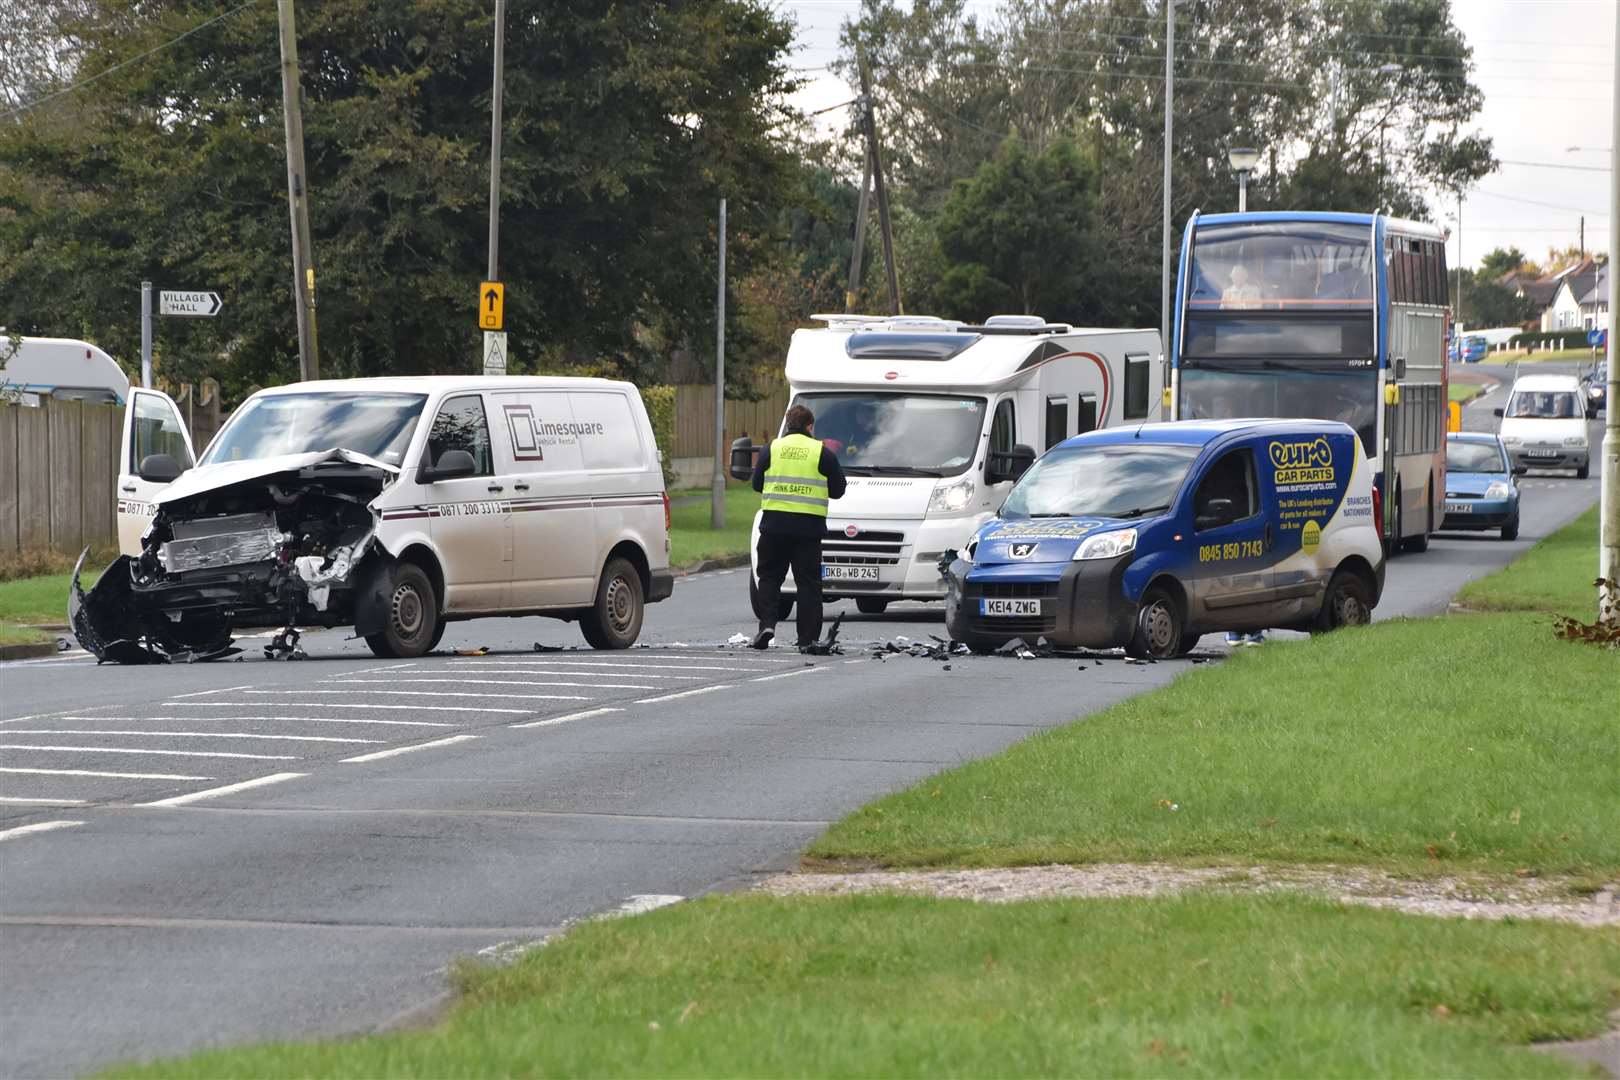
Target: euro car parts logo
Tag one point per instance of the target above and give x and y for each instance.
(1302, 462)
(1021, 551)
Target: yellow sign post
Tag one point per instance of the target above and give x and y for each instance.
(1454, 417)
(491, 305)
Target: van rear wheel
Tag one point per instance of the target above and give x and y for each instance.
(1347, 603)
(412, 625)
(871, 605)
(614, 620)
(784, 604)
(1159, 629)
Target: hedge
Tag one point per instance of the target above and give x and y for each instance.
(660, 402)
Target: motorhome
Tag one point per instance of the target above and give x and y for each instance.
(934, 421)
(63, 368)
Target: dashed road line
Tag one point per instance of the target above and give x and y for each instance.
(786, 674)
(36, 827)
(110, 775)
(339, 705)
(622, 664)
(683, 694)
(396, 751)
(190, 735)
(374, 670)
(424, 677)
(15, 801)
(452, 693)
(129, 750)
(222, 690)
(257, 704)
(228, 789)
(586, 715)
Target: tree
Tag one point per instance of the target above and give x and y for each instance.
(624, 124)
(1017, 235)
(1499, 262)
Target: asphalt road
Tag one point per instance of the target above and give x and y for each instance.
(395, 815)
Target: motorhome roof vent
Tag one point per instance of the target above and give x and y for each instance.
(1015, 320)
(898, 345)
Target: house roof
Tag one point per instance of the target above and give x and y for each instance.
(1598, 294)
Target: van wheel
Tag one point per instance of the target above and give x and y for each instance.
(614, 621)
(1158, 627)
(1347, 603)
(412, 626)
(1583, 472)
(870, 605)
(784, 605)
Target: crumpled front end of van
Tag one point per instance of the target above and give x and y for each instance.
(277, 543)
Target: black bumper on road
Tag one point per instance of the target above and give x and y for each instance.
(660, 585)
(1084, 607)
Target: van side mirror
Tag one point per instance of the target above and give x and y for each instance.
(743, 456)
(1520, 470)
(1009, 465)
(160, 469)
(1215, 513)
(1498, 412)
(452, 465)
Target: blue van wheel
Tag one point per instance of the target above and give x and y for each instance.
(1347, 603)
(1159, 629)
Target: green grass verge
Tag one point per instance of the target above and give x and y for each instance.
(904, 986)
(12, 634)
(691, 538)
(1464, 392)
(39, 599)
(1583, 356)
(1556, 575)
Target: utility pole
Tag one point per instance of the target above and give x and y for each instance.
(1583, 236)
(309, 365)
(862, 211)
(1169, 130)
(869, 121)
(717, 485)
(1609, 515)
(495, 141)
(1460, 264)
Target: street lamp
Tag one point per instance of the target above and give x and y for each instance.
(1244, 160)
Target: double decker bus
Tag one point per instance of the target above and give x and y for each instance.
(1326, 316)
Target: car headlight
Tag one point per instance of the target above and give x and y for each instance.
(1511, 440)
(1107, 545)
(1497, 490)
(1595, 390)
(951, 498)
(1576, 440)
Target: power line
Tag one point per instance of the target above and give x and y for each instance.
(1553, 165)
(1550, 206)
(81, 84)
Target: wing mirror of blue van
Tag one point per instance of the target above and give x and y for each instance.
(743, 455)
(1215, 513)
(452, 465)
(160, 468)
(1009, 465)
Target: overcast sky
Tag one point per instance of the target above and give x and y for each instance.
(1546, 67)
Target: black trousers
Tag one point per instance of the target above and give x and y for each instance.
(803, 553)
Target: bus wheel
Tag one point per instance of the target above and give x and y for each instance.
(1158, 627)
(1347, 603)
(1420, 542)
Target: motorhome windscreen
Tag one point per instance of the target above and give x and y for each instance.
(1102, 481)
(377, 425)
(894, 345)
(874, 433)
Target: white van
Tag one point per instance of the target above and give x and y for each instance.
(934, 421)
(1544, 424)
(390, 505)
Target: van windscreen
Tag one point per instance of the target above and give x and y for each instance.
(1121, 481)
(377, 425)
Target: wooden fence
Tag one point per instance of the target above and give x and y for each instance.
(694, 419)
(59, 475)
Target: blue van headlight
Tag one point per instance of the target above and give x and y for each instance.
(1107, 545)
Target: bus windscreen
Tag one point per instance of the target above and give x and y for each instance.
(1297, 265)
(1349, 396)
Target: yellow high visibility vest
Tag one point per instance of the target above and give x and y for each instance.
(793, 481)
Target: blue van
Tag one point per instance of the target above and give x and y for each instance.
(1146, 538)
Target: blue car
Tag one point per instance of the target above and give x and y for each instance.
(1481, 492)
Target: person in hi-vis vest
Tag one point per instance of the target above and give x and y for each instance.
(797, 475)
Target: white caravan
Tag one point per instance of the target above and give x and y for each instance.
(934, 421)
(64, 368)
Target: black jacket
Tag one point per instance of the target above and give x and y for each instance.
(791, 523)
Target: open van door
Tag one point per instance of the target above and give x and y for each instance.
(153, 431)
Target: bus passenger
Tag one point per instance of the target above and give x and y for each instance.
(1241, 293)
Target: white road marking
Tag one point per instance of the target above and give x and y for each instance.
(286, 719)
(113, 775)
(339, 705)
(374, 670)
(81, 656)
(452, 693)
(618, 664)
(683, 693)
(379, 754)
(228, 789)
(190, 735)
(587, 714)
(785, 674)
(423, 677)
(848, 663)
(202, 693)
(13, 801)
(37, 827)
(127, 750)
